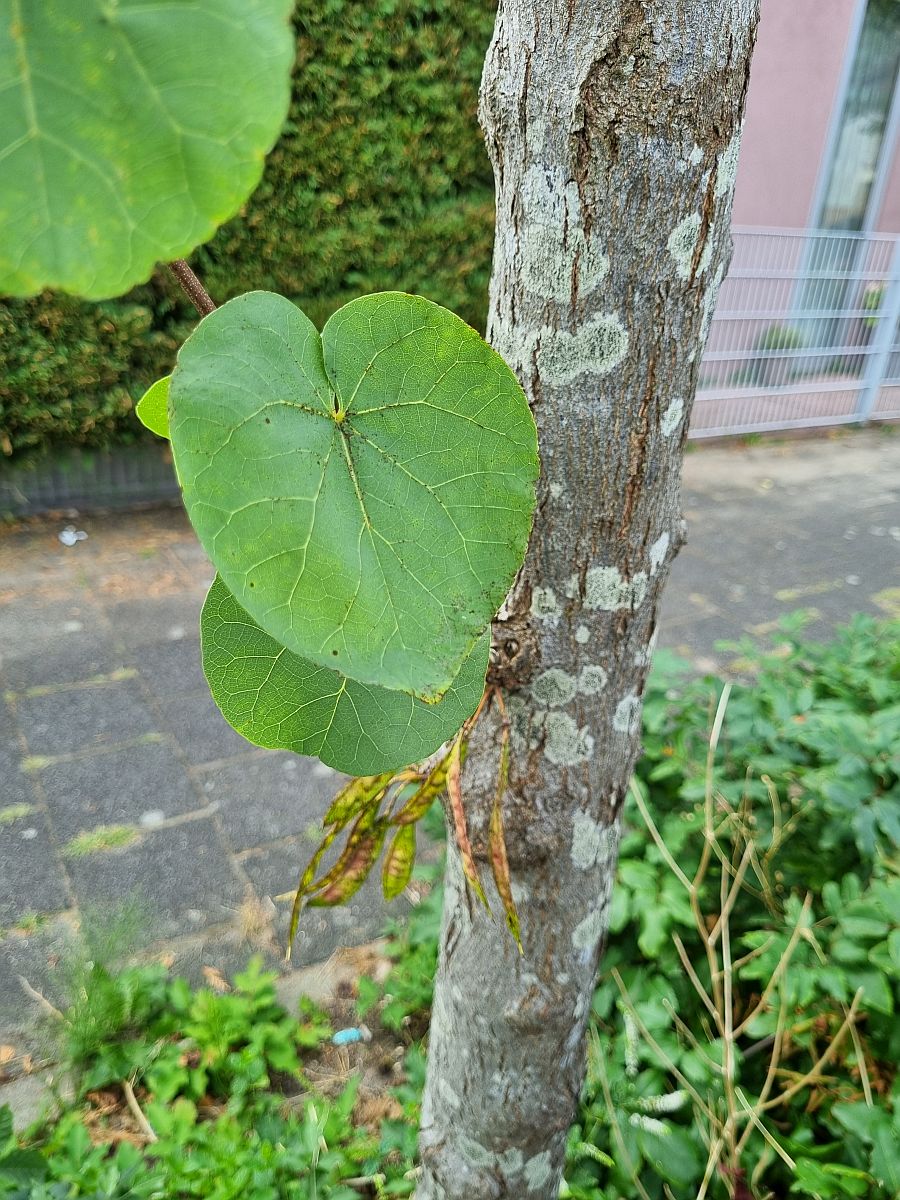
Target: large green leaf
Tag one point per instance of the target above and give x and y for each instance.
(131, 129)
(280, 701)
(367, 495)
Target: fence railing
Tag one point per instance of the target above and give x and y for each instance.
(805, 333)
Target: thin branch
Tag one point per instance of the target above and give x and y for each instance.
(780, 968)
(715, 1153)
(45, 1004)
(192, 287)
(131, 1100)
(661, 846)
(730, 899)
(751, 1113)
(695, 978)
(861, 1062)
(815, 1072)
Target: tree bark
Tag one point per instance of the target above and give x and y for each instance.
(613, 127)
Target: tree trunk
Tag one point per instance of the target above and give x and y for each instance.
(613, 127)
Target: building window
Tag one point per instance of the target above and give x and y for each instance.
(861, 155)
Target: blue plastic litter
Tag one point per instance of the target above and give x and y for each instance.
(347, 1037)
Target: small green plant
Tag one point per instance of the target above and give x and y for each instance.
(771, 365)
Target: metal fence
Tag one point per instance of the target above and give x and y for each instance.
(805, 333)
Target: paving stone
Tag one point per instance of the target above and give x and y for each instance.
(30, 1098)
(269, 796)
(14, 785)
(39, 627)
(200, 729)
(80, 718)
(135, 785)
(154, 619)
(179, 878)
(43, 959)
(70, 659)
(172, 667)
(31, 877)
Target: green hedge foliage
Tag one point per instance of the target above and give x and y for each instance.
(380, 181)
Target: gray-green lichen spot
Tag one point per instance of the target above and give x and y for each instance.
(555, 251)
(658, 552)
(607, 589)
(710, 297)
(726, 170)
(683, 242)
(594, 349)
(672, 416)
(582, 635)
(511, 1161)
(590, 842)
(537, 1170)
(627, 714)
(553, 688)
(592, 680)
(587, 933)
(544, 604)
(706, 255)
(564, 743)
(449, 1096)
(475, 1153)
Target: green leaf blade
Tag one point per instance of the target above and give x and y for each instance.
(126, 140)
(366, 531)
(153, 407)
(277, 700)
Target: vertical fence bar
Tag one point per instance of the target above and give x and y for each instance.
(885, 331)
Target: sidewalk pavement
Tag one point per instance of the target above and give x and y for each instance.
(119, 778)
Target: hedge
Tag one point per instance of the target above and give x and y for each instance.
(380, 181)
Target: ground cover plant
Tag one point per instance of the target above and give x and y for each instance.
(743, 1032)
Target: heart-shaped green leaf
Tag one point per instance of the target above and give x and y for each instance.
(280, 701)
(366, 496)
(153, 407)
(130, 132)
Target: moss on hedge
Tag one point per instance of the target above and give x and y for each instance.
(380, 181)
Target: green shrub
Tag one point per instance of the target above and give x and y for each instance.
(379, 182)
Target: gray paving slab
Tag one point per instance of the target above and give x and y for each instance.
(200, 729)
(31, 877)
(180, 878)
(170, 668)
(41, 958)
(138, 785)
(80, 718)
(297, 791)
(37, 629)
(154, 620)
(69, 658)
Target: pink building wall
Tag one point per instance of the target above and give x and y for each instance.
(793, 87)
